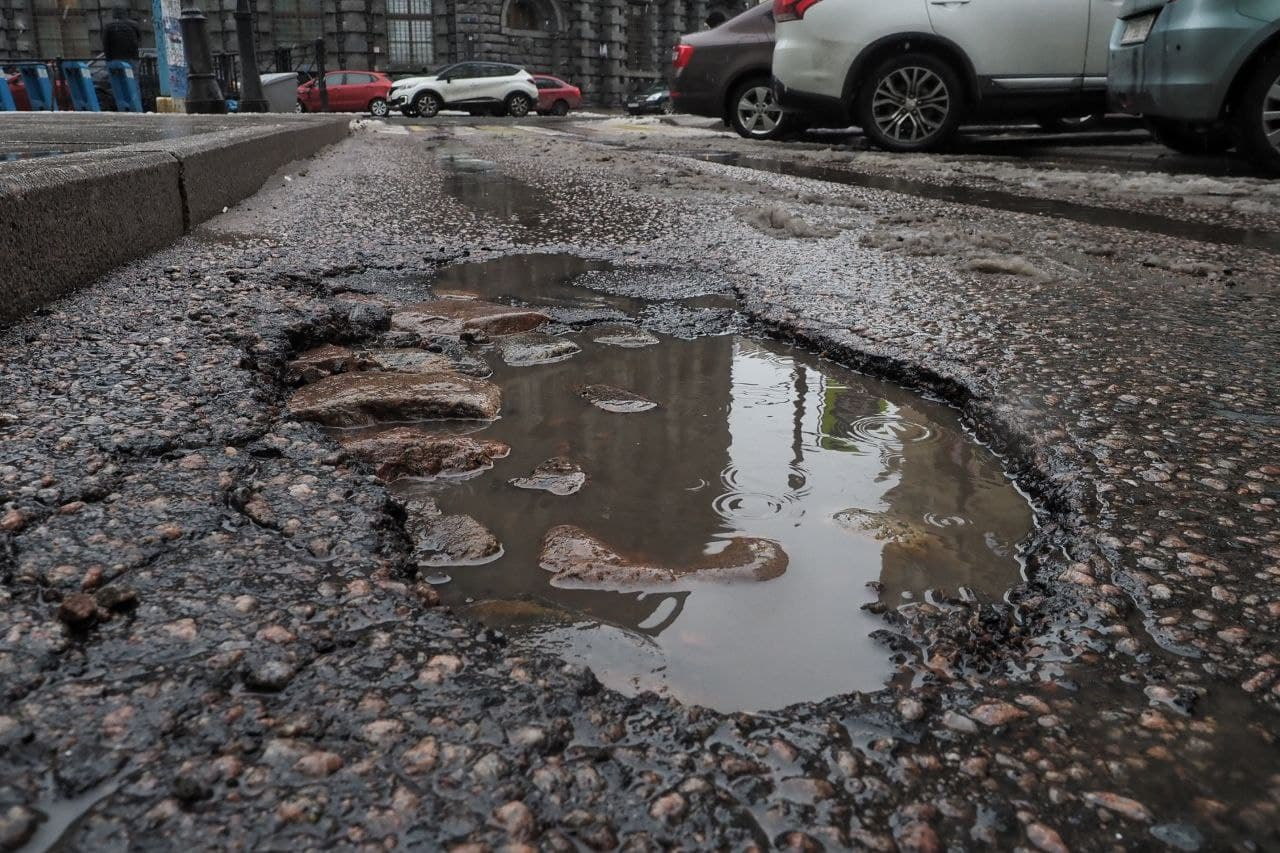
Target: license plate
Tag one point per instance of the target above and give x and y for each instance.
(1136, 30)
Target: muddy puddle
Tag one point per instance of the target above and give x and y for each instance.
(704, 517)
(480, 186)
(1267, 241)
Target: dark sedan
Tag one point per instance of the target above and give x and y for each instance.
(655, 99)
(725, 73)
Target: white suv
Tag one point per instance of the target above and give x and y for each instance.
(473, 86)
(908, 71)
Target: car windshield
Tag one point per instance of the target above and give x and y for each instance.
(655, 89)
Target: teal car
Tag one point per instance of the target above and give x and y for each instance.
(1204, 73)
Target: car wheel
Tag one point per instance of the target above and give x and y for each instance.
(756, 113)
(668, 107)
(910, 103)
(1187, 138)
(1070, 124)
(427, 104)
(560, 108)
(1257, 116)
(518, 105)
(299, 107)
(378, 107)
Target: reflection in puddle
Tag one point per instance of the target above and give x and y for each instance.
(561, 281)
(480, 186)
(856, 480)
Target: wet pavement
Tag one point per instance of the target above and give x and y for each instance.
(214, 624)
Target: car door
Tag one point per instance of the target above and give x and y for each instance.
(465, 80)
(501, 81)
(1017, 45)
(358, 86)
(1102, 20)
(547, 91)
(339, 95)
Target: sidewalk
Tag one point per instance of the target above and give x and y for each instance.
(112, 188)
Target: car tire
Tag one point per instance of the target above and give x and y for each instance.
(408, 112)
(754, 112)
(910, 103)
(668, 107)
(1257, 116)
(560, 108)
(518, 105)
(378, 108)
(427, 104)
(299, 107)
(1187, 138)
(1070, 124)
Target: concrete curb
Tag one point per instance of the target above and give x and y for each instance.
(67, 220)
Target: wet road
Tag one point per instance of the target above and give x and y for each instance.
(261, 661)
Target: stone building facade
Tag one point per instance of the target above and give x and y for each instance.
(608, 47)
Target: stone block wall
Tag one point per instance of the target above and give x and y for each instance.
(590, 42)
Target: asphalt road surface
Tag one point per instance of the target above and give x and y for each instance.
(213, 631)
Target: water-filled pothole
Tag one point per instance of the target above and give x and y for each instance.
(858, 481)
(479, 185)
(717, 547)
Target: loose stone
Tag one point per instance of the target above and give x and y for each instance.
(559, 476)
(579, 560)
(453, 317)
(78, 610)
(533, 348)
(367, 398)
(616, 400)
(412, 451)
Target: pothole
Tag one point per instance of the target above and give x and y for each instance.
(480, 186)
(704, 517)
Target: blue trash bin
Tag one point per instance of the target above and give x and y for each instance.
(124, 85)
(35, 77)
(6, 97)
(80, 87)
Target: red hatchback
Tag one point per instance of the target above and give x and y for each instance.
(349, 92)
(556, 97)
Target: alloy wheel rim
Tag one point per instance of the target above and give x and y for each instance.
(910, 104)
(379, 108)
(1271, 115)
(758, 111)
(518, 107)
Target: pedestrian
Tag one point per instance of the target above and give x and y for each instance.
(121, 37)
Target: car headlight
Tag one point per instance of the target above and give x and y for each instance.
(657, 97)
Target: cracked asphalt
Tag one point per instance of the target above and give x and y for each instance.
(212, 635)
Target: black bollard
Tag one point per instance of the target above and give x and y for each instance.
(324, 90)
(203, 94)
(251, 98)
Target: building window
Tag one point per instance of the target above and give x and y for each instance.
(640, 29)
(297, 22)
(531, 16)
(410, 38)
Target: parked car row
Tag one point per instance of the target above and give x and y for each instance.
(1204, 73)
(478, 87)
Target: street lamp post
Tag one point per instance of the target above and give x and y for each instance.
(251, 97)
(203, 94)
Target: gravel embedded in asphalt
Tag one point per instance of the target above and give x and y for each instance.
(210, 627)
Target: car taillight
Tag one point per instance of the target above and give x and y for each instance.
(791, 10)
(681, 54)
